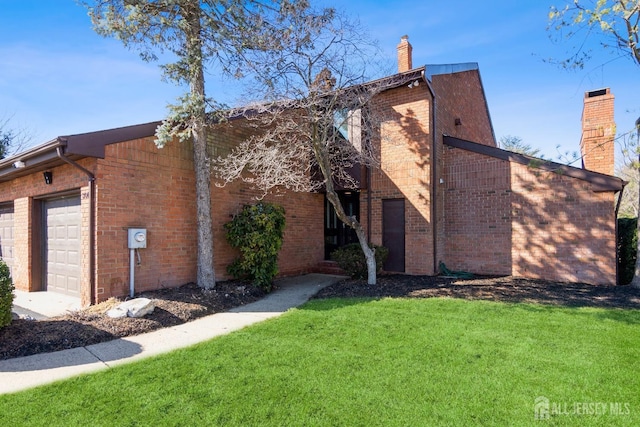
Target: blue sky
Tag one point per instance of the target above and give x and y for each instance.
(57, 77)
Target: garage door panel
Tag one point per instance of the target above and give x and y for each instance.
(6, 235)
(73, 258)
(63, 219)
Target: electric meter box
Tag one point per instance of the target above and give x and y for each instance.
(137, 238)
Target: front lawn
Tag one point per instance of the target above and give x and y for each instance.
(372, 362)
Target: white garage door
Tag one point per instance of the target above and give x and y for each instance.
(62, 245)
(6, 235)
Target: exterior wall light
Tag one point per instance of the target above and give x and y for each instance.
(19, 164)
(48, 177)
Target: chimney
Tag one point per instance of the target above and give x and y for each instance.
(598, 131)
(404, 55)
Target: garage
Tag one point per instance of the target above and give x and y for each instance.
(6, 235)
(62, 245)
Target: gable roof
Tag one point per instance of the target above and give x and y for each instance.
(600, 182)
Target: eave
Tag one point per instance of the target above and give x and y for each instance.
(600, 182)
(74, 147)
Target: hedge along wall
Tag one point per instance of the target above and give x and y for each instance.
(627, 248)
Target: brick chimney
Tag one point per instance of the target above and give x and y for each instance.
(404, 55)
(598, 131)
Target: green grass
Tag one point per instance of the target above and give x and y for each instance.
(370, 363)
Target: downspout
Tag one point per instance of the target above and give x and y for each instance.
(617, 237)
(434, 186)
(92, 190)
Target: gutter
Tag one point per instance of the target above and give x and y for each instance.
(434, 187)
(92, 191)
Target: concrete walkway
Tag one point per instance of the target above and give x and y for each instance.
(25, 372)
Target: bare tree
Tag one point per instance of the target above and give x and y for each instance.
(196, 34)
(12, 139)
(321, 119)
(614, 23)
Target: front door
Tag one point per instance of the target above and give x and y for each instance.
(337, 233)
(393, 233)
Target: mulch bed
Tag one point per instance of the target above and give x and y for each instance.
(178, 305)
(506, 289)
(78, 329)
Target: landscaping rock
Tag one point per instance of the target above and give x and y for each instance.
(137, 307)
(16, 316)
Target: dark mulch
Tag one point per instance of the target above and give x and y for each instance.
(173, 306)
(506, 289)
(179, 305)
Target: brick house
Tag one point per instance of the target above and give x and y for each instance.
(444, 193)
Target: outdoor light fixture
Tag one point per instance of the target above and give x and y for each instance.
(413, 84)
(48, 177)
(458, 121)
(19, 164)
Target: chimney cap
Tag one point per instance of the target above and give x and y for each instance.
(597, 92)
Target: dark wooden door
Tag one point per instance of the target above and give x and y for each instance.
(393, 233)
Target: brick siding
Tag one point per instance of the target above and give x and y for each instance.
(404, 172)
(508, 218)
(598, 132)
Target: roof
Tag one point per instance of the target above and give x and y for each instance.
(600, 182)
(437, 69)
(92, 144)
(74, 147)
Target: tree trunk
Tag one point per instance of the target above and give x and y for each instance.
(321, 155)
(369, 254)
(205, 273)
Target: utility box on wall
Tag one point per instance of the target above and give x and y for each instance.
(137, 238)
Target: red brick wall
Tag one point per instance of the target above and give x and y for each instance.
(141, 186)
(562, 230)
(405, 143)
(507, 218)
(303, 246)
(138, 185)
(159, 188)
(458, 96)
(477, 213)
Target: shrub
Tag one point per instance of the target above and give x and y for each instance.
(6, 294)
(257, 231)
(627, 248)
(351, 259)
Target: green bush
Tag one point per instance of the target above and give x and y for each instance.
(6, 294)
(257, 231)
(351, 259)
(627, 248)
